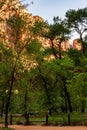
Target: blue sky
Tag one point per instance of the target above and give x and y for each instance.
(47, 9)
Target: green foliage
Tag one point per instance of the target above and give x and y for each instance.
(39, 28)
(76, 20)
(34, 47)
(16, 25)
(51, 86)
(77, 17)
(58, 29)
(15, 22)
(2, 128)
(75, 55)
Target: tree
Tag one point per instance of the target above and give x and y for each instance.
(78, 82)
(45, 78)
(75, 55)
(77, 21)
(56, 33)
(51, 77)
(77, 86)
(42, 80)
(18, 38)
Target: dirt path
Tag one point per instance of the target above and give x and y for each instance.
(20, 127)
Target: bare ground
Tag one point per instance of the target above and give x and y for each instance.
(21, 127)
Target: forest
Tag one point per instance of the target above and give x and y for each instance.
(34, 84)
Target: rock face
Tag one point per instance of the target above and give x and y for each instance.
(76, 44)
(9, 9)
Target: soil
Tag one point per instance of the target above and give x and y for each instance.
(21, 127)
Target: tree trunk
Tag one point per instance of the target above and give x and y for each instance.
(83, 47)
(26, 112)
(47, 119)
(66, 109)
(8, 98)
(7, 107)
(10, 119)
(2, 107)
(69, 119)
(50, 111)
(83, 107)
(69, 102)
(60, 55)
(27, 119)
(67, 97)
(53, 49)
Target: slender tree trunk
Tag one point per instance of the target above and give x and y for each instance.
(50, 111)
(66, 103)
(53, 49)
(10, 119)
(83, 45)
(69, 102)
(8, 98)
(69, 119)
(2, 107)
(47, 119)
(60, 55)
(68, 97)
(26, 112)
(83, 107)
(7, 107)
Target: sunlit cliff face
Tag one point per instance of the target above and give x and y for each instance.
(9, 9)
(77, 44)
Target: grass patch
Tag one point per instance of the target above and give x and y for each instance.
(3, 128)
(60, 119)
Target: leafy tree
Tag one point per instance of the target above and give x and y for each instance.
(57, 32)
(77, 21)
(46, 79)
(75, 55)
(51, 77)
(77, 86)
(77, 83)
(66, 66)
(13, 53)
(42, 80)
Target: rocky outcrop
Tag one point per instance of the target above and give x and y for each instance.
(10, 8)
